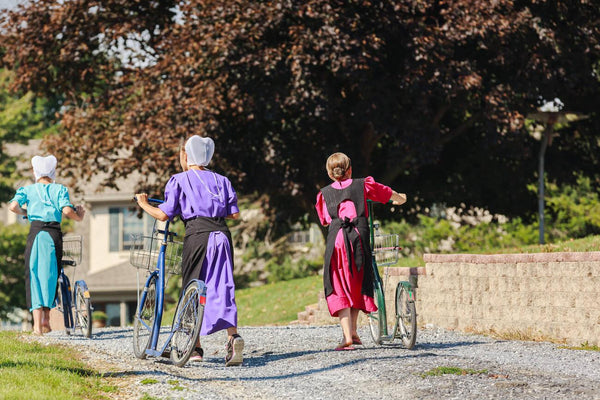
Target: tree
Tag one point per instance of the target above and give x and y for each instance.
(399, 86)
(12, 268)
(22, 117)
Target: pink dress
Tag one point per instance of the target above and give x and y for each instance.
(346, 286)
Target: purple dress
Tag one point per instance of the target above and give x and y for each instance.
(195, 194)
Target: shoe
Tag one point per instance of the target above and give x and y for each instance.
(197, 355)
(46, 329)
(345, 346)
(356, 340)
(235, 346)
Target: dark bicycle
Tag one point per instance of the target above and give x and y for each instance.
(75, 304)
(386, 252)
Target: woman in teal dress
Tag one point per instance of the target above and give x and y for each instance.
(44, 203)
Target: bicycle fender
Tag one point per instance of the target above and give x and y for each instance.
(409, 288)
(202, 287)
(86, 291)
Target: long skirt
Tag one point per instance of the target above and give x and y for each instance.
(220, 311)
(41, 271)
(347, 286)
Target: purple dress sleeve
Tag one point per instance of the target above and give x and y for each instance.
(171, 206)
(231, 196)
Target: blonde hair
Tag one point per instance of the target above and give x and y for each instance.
(338, 165)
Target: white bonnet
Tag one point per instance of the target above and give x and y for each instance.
(44, 166)
(199, 150)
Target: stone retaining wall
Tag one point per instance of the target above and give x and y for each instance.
(552, 296)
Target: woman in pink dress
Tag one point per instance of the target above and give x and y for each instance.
(348, 269)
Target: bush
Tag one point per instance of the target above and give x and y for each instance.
(13, 239)
(572, 211)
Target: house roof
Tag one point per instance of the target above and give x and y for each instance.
(121, 277)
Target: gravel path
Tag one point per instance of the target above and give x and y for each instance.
(298, 362)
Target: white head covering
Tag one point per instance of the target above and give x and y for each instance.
(44, 166)
(199, 150)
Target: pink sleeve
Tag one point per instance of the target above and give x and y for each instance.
(321, 207)
(376, 191)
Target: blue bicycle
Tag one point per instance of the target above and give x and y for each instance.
(160, 255)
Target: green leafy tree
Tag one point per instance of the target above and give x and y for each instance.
(12, 268)
(22, 117)
(429, 96)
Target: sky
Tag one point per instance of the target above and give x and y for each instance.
(9, 3)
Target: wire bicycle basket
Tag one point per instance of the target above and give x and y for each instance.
(144, 253)
(386, 249)
(72, 249)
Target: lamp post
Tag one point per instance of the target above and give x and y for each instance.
(548, 119)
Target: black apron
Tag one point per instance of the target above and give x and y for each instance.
(53, 228)
(195, 243)
(358, 247)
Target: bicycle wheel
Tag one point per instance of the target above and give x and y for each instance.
(406, 314)
(144, 318)
(187, 322)
(63, 301)
(377, 318)
(83, 309)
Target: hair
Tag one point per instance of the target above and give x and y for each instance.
(338, 165)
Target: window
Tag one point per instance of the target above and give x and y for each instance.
(123, 223)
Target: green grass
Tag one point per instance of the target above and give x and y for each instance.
(33, 371)
(438, 371)
(584, 346)
(276, 303)
(589, 243)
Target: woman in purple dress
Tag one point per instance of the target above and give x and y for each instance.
(204, 199)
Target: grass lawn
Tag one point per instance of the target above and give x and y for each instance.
(33, 371)
(276, 303)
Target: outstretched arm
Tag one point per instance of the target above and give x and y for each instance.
(398, 198)
(155, 212)
(74, 214)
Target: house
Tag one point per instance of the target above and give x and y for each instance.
(111, 218)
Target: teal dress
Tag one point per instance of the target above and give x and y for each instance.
(44, 243)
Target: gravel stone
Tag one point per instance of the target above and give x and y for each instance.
(298, 362)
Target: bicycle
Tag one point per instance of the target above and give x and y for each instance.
(385, 252)
(76, 304)
(160, 255)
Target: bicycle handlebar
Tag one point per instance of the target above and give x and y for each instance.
(151, 200)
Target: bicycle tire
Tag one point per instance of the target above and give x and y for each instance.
(83, 309)
(406, 315)
(64, 303)
(376, 321)
(187, 322)
(144, 319)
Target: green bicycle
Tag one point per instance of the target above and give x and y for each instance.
(386, 252)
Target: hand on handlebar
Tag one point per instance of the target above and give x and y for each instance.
(398, 198)
(79, 210)
(141, 198)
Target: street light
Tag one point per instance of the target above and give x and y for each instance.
(549, 119)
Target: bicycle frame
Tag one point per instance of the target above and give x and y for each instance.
(160, 295)
(160, 275)
(381, 317)
(377, 281)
